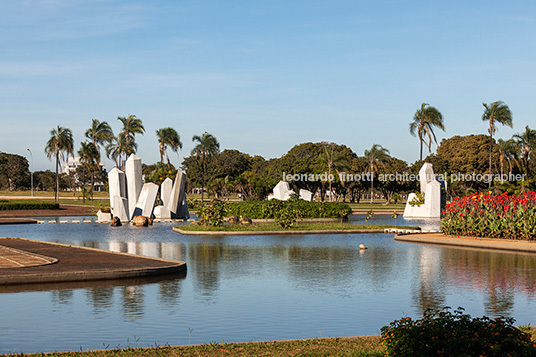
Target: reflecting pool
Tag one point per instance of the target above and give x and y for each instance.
(245, 288)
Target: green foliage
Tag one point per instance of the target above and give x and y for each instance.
(212, 214)
(14, 173)
(455, 334)
(271, 209)
(11, 206)
(417, 200)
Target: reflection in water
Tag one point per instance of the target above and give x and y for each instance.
(260, 287)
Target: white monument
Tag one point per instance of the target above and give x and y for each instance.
(431, 192)
(165, 190)
(306, 195)
(146, 200)
(177, 201)
(134, 176)
(281, 191)
(118, 194)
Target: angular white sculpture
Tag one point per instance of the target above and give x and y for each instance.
(161, 213)
(121, 208)
(166, 188)
(134, 177)
(431, 191)
(306, 195)
(146, 200)
(117, 185)
(281, 191)
(177, 202)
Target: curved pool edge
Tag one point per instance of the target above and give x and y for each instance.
(469, 242)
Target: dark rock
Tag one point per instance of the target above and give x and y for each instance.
(140, 221)
(116, 222)
(233, 219)
(246, 221)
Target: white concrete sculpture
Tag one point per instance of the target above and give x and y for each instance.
(177, 202)
(306, 195)
(121, 208)
(134, 177)
(281, 191)
(165, 190)
(431, 191)
(162, 213)
(146, 200)
(117, 185)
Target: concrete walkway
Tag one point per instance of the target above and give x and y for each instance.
(472, 242)
(25, 261)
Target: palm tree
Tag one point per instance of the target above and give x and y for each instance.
(168, 137)
(207, 145)
(376, 155)
(423, 123)
(99, 133)
(527, 142)
(507, 151)
(131, 127)
(115, 149)
(332, 159)
(496, 112)
(90, 158)
(59, 146)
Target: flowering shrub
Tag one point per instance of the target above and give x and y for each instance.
(493, 216)
(455, 334)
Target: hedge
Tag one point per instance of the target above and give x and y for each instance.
(12, 206)
(305, 209)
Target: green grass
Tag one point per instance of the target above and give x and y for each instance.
(303, 226)
(95, 203)
(354, 346)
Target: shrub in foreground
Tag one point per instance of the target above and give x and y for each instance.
(456, 334)
(11, 206)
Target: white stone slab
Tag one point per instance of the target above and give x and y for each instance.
(166, 188)
(177, 203)
(133, 173)
(431, 190)
(281, 191)
(146, 200)
(117, 185)
(306, 195)
(120, 208)
(162, 212)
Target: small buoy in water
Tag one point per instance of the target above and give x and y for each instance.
(362, 246)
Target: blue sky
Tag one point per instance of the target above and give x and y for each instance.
(262, 76)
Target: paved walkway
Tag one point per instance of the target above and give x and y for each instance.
(473, 242)
(24, 261)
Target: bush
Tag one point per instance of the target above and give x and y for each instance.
(304, 209)
(11, 206)
(493, 216)
(455, 334)
(212, 214)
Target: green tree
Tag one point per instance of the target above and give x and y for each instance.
(424, 121)
(115, 150)
(507, 152)
(59, 147)
(376, 156)
(99, 133)
(526, 142)
(14, 172)
(207, 146)
(89, 158)
(496, 112)
(168, 137)
(127, 137)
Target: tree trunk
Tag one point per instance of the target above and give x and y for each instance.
(490, 146)
(57, 193)
(371, 183)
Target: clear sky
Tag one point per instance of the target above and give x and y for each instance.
(262, 76)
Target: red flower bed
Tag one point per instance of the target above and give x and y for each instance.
(493, 216)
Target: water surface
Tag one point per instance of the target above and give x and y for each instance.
(245, 288)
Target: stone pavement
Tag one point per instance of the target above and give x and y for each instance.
(25, 261)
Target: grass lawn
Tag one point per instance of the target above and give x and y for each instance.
(303, 226)
(94, 203)
(354, 346)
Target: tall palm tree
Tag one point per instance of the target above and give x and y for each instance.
(115, 150)
(168, 137)
(496, 112)
(333, 159)
(99, 133)
(527, 143)
(507, 151)
(59, 146)
(131, 127)
(376, 155)
(90, 158)
(207, 145)
(424, 121)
